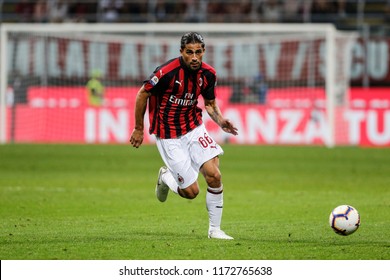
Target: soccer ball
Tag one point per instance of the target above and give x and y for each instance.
(344, 220)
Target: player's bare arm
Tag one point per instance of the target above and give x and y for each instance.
(137, 136)
(216, 115)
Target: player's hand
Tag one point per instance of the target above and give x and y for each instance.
(228, 127)
(136, 138)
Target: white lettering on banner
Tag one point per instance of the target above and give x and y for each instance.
(98, 58)
(255, 127)
(22, 49)
(39, 54)
(101, 124)
(246, 58)
(373, 133)
(378, 62)
(299, 61)
(291, 127)
(128, 62)
(47, 54)
(357, 67)
(258, 125)
(117, 127)
(53, 66)
(322, 63)
(273, 127)
(90, 125)
(289, 133)
(366, 122)
(277, 61)
(75, 60)
(354, 119)
(272, 55)
(377, 136)
(221, 59)
(317, 129)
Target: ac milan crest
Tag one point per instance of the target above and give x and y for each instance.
(180, 179)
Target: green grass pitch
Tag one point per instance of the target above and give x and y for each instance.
(97, 202)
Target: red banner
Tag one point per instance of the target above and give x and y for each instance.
(62, 115)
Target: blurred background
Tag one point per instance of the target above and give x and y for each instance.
(94, 67)
(345, 14)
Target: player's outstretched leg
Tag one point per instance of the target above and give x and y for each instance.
(162, 189)
(214, 203)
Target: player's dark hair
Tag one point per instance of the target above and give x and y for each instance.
(191, 38)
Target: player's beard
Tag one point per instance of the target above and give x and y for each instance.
(194, 66)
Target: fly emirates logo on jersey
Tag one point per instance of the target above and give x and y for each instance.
(186, 101)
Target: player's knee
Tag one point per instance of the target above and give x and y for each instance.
(214, 179)
(193, 194)
(190, 192)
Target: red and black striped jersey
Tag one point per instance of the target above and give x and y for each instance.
(175, 89)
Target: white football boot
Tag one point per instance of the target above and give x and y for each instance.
(162, 189)
(219, 234)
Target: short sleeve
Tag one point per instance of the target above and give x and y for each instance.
(209, 91)
(155, 83)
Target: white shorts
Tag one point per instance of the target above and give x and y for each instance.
(185, 155)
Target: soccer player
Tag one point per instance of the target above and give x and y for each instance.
(184, 144)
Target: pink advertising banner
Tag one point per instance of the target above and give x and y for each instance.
(63, 115)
